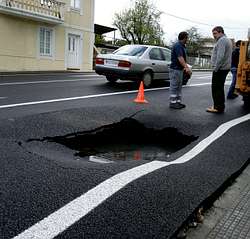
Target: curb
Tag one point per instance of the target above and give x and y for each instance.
(14, 73)
(208, 203)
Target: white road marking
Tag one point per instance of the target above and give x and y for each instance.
(49, 74)
(204, 77)
(64, 99)
(86, 97)
(2, 97)
(66, 216)
(45, 82)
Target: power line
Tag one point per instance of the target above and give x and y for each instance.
(202, 23)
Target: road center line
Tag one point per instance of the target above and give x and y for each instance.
(48, 81)
(86, 97)
(66, 216)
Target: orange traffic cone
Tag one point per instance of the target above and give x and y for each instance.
(137, 155)
(140, 97)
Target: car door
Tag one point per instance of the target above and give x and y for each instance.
(167, 57)
(158, 63)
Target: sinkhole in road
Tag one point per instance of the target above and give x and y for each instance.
(125, 140)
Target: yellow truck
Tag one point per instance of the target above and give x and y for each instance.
(243, 73)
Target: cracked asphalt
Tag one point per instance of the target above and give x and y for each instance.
(37, 178)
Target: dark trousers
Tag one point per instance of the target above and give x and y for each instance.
(218, 82)
(230, 93)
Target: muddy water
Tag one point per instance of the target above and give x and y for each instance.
(126, 140)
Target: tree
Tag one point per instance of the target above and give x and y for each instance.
(140, 24)
(99, 39)
(195, 43)
(120, 42)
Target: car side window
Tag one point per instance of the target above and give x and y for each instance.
(155, 54)
(167, 54)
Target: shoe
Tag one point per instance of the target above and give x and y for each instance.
(213, 110)
(182, 105)
(176, 106)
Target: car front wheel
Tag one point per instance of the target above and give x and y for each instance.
(147, 79)
(111, 79)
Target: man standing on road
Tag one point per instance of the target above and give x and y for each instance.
(234, 66)
(221, 63)
(178, 65)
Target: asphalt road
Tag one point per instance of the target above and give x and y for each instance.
(47, 192)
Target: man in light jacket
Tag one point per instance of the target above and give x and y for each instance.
(221, 63)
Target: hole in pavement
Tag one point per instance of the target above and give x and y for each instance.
(126, 140)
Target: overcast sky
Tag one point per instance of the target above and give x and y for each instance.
(234, 16)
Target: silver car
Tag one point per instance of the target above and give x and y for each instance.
(136, 62)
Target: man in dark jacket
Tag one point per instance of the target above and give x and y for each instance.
(177, 67)
(234, 66)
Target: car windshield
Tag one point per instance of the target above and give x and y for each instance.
(131, 50)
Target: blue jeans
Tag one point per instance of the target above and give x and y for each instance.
(233, 83)
(176, 77)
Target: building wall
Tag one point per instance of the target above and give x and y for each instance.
(19, 41)
(82, 23)
(19, 46)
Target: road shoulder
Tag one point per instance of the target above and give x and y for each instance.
(228, 213)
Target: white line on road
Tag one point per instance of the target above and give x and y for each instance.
(203, 77)
(66, 216)
(64, 99)
(48, 81)
(86, 97)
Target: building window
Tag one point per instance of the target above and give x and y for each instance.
(75, 4)
(45, 36)
(72, 43)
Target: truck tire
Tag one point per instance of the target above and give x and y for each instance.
(246, 99)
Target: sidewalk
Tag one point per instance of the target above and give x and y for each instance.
(229, 218)
(59, 72)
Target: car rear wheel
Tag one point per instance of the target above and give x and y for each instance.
(111, 79)
(147, 79)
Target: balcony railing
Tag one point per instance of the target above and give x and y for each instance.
(50, 11)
